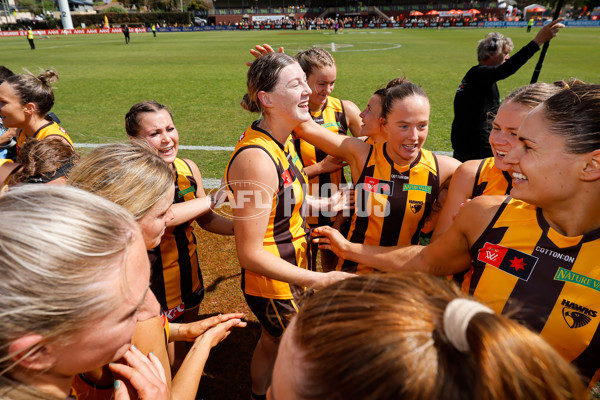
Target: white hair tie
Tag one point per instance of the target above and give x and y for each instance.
(457, 316)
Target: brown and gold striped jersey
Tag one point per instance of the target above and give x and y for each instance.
(287, 231)
(549, 282)
(392, 202)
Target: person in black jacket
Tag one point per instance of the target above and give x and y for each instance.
(477, 95)
(126, 33)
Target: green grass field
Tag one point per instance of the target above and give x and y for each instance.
(201, 75)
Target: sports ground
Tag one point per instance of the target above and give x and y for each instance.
(200, 76)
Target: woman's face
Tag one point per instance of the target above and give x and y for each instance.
(154, 222)
(371, 124)
(543, 172)
(289, 97)
(406, 126)
(12, 111)
(503, 136)
(321, 82)
(159, 130)
(105, 340)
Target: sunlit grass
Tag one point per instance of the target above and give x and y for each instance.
(201, 75)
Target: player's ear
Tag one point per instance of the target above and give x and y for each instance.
(30, 352)
(265, 99)
(591, 169)
(30, 108)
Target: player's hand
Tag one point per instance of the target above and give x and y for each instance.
(221, 330)
(145, 374)
(328, 278)
(330, 239)
(259, 50)
(191, 331)
(332, 164)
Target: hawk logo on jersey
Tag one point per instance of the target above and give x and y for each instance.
(379, 186)
(575, 315)
(511, 261)
(415, 205)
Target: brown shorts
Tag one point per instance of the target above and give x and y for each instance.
(273, 314)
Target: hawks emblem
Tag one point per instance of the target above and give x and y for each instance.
(575, 319)
(415, 206)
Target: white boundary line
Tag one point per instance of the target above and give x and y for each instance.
(205, 148)
(208, 183)
(182, 147)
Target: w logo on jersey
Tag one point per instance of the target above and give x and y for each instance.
(511, 261)
(379, 186)
(288, 177)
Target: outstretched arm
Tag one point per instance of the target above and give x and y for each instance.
(449, 255)
(185, 382)
(352, 117)
(352, 150)
(209, 220)
(461, 189)
(516, 61)
(252, 201)
(328, 164)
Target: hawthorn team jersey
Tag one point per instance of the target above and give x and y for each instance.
(392, 202)
(332, 117)
(547, 281)
(82, 388)
(176, 277)
(490, 180)
(287, 232)
(48, 130)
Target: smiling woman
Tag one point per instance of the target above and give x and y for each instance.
(176, 275)
(397, 182)
(492, 176)
(74, 278)
(272, 246)
(25, 101)
(533, 256)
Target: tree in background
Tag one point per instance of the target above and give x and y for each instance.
(197, 5)
(36, 7)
